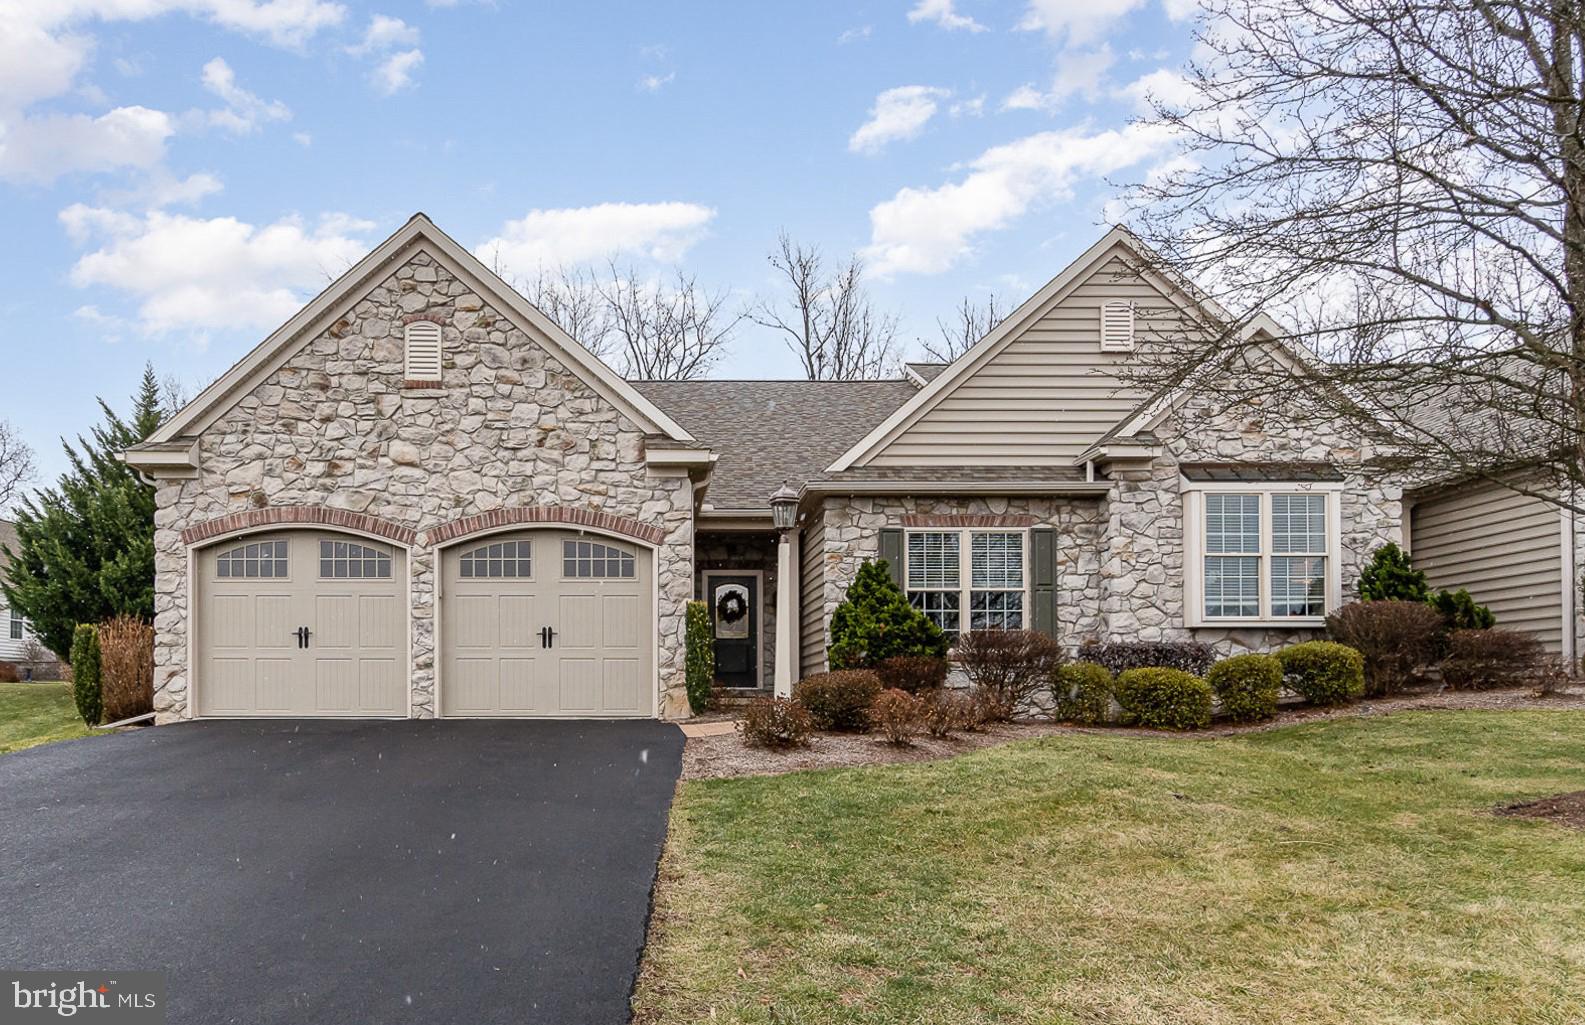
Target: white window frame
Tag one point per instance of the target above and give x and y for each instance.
(16, 626)
(1194, 493)
(966, 570)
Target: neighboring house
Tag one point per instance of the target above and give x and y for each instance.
(14, 630)
(421, 497)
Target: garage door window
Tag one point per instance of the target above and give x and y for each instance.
(502, 559)
(259, 559)
(591, 559)
(342, 560)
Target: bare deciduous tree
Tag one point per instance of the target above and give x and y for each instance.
(827, 317)
(16, 464)
(648, 329)
(1404, 182)
(969, 323)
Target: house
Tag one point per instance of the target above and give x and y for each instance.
(420, 497)
(14, 630)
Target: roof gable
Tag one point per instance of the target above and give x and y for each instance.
(1091, 399)
(418, 234)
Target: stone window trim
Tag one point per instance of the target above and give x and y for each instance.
(298, 515)
(949, 520)
(960, 595)
(561, 515)
(1194, 536)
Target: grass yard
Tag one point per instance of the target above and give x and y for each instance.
(37, 713)
(1337, 872)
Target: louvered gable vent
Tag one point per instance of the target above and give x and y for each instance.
(423, 351)
(1117, 326)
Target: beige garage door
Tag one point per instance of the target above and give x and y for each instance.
(302, 623)
(547, 623)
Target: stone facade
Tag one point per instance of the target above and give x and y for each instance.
(1121, 558)
(744, 551)
(511, 427)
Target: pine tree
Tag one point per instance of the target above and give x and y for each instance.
(875, 622)
(1390, 577)
(85, 548)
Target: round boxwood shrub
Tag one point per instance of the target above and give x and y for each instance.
(840, 700)
(1163, 699)
(1247, 686)
(1324, 672)
(1084, 693)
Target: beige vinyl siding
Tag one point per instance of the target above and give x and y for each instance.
(1505, 548)
(1050, 393)
(812, 598)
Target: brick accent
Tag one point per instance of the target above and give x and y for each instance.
(967, 520)
(410, 384)
(319, 516)
(562, 514)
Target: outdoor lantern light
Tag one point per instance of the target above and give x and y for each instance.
(784, 507)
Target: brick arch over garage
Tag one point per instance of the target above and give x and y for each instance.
(299, 515)
(560, 515)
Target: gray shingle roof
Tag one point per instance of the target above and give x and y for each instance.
(8, 538)
(928, 371)
(770, 431)
(1054, 475)
(1254, 472)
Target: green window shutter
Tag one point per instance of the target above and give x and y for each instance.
(892, 552)
(1043, 577)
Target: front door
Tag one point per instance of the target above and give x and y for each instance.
(734, 618)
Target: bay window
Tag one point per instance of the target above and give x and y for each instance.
(982, 572)
(1261, 554)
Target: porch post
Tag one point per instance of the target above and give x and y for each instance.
(786, 614)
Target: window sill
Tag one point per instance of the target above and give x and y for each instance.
(412, 385)
(1294, 622)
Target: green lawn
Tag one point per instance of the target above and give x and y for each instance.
(1340, 872)
(37, 713)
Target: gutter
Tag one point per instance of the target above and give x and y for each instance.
(973, 487)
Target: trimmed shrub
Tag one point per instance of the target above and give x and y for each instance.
(1163, 699)
(1323, 672)
(839, 700)
(947, 711)
(85, 674)
(875, 622)
(1390, 577)
(126, 659)
(1246, 686)
(775, 722)
(1084, 693)
(913, 673)
(897, 714)
(1008, 667)
(8, 673)
(1461, 612)
(1482, 659)
(1397, 639)
(699, 659)
(1119, 656)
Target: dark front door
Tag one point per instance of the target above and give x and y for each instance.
(734, 617)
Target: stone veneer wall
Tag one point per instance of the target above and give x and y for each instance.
(1121, 558)
(335, 427)
(744, 551)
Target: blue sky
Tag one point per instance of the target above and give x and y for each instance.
(176, 176)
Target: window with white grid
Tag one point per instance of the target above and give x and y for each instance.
(981, 571)
(1265, 554)
(18, 625)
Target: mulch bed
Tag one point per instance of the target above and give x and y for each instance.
(1564, 809)
(725, 756)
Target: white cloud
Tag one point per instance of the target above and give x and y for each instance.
(942, 13)
(548, 238)
(1077, 21)
(927, 230)
(655, 83)
(1181, 10)
(303, 139)
(972, 107)
(191, 273)
(243, 111)
(899, 113)
(1078, 72)
(162, 189)
(384, 33)
(1164, 84)
(40, 149)
(395, 73)
(854, 35)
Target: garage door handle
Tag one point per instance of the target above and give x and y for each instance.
(547, 637)
(302, 633)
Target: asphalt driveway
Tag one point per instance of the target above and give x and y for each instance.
(327, 872)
